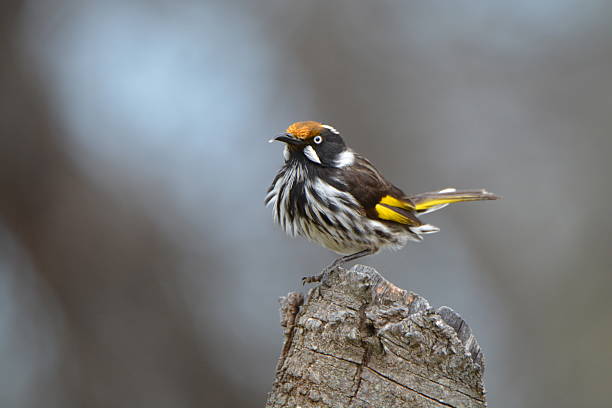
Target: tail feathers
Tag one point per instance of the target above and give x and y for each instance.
(432, 201)
(424, 229)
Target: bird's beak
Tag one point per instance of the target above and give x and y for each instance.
(289, 139)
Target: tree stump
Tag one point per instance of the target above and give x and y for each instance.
(360, 341)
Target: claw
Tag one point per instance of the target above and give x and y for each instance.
(322, 277)
(312, 279)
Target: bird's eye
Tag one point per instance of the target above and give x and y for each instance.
(318, 139)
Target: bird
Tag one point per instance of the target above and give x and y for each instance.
(333, 196)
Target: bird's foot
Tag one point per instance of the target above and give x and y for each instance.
(322, 277)
(312, 279)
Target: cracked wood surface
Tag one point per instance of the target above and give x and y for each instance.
(360, 341)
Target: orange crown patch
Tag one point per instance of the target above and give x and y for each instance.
(305, 130)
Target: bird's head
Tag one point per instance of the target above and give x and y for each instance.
(318, 143)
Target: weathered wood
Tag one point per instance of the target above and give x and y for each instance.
(360, 341)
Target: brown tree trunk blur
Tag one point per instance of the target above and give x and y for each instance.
(104, 259)
(360, 341)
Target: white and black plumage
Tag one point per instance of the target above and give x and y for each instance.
(333, 196)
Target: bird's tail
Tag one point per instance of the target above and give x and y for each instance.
(428, 202)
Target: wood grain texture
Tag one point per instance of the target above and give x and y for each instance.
(360, 341)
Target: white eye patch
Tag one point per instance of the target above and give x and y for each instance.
(310, 153)
(318, 139)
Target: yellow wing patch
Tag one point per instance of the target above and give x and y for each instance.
(386, 213)
(394, 202)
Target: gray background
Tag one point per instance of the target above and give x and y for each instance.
(138, 264)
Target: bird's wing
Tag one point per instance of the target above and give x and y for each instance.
(380, 199)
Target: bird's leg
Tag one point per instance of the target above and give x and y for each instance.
(338, 262)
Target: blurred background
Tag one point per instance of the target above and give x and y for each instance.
(138, 264)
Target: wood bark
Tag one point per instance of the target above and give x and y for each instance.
(360, 341)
